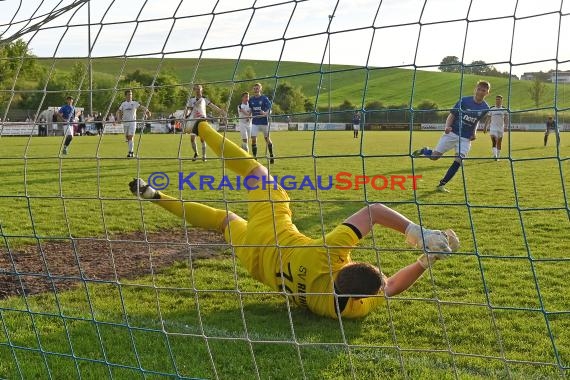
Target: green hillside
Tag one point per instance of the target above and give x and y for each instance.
(359, 85)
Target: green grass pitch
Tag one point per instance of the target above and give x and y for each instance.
(497, 309)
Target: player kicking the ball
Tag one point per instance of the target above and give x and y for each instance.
(318, 274)
(460, 130)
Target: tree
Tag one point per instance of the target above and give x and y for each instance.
(477, 67)
(374, 105)
(427, 104)
(308, 105)
(18, 70)
(167, 94)
(248, 73)
(76, 79)
(536, 91)
(450, 64)
(15, 57)
(289, 98)
(372, 114)
(427, 111)
(346, 105)
(348, 109)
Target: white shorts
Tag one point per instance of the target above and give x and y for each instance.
(496, 132)
(356, 126)
(130, 127)
(255, 129)
(245, 131)
(68, 130)
(450, 140)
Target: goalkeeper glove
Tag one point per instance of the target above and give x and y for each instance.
(427, 259)
(140, 188)
(431, 240)
(437, 241)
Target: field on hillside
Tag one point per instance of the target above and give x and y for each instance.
(120, 288)
(359, 85)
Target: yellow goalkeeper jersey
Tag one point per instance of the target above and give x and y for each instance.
(274, 252)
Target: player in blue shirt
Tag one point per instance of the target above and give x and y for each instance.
(460, 130)
(260, 106)
(551, 127)
(356, 124)
(66, 114)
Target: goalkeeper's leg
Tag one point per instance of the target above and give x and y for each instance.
(197, 214)
(236, 159)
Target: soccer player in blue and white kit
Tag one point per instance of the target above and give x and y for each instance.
(460, 130)
(356, 124)
(66, 114)
(551, 126)
(260, 110)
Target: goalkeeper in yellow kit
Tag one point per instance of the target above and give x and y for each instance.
(316, 273)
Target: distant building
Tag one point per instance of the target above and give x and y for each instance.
(562, 77)
(527, 76)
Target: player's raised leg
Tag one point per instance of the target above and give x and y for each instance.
(235, 158)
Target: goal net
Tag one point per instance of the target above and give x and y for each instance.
(95, 282)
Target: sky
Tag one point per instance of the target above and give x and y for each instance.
(517, 36)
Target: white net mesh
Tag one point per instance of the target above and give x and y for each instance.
(95, 283)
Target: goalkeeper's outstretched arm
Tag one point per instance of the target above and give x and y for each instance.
(403, 279)
(377, 213)
(436, 244)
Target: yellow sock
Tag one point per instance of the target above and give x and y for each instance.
(196, 214)
(225, 148)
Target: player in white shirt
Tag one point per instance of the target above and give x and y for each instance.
(196, 110)
(127, 114)
(497, 118)
(244, 114)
